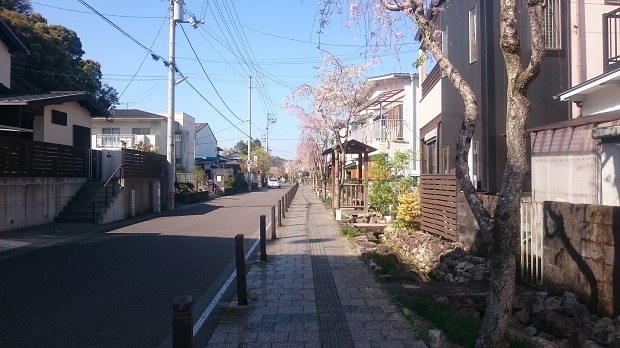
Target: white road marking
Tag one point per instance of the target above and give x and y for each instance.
(203, 317)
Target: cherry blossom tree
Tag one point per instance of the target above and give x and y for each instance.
(314, 140)
(500, 230)
(331, 106)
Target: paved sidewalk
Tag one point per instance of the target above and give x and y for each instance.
(313, 291)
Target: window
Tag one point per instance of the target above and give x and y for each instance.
(474, 156)
(473, 35)
(431, 157)
(446, 159)
(59, 117)
(553, 39)
(111, 131)
(141, 131)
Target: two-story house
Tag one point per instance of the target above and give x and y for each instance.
(137, 129)
(388, 120)
(577, 160)
(469, 34)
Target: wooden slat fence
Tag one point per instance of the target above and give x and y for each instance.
(140, 164)
(352, 196)
(438, 197)
(27, 158)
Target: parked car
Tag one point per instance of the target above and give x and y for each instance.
(273, 183)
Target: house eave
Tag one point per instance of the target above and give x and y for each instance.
(581, 91)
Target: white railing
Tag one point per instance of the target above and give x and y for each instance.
(124, 140)
(532, 237)
(382, 130)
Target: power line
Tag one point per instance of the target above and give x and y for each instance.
(207, 75)
(86, 12)
(153, 54)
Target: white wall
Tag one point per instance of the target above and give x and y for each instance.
(602, 100)
(5, 65)
(430, 105)
(610, 174)
(206, 143)
(587, 38)
(45, 130)
(565, 166)
(188, 124)
(157, 137)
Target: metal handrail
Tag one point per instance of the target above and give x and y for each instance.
(113, 176)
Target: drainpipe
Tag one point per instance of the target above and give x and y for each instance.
(438, 147)
(579, 43)
(414, 126)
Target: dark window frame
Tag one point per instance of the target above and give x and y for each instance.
(59, 117)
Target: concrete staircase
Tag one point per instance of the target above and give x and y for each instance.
(89, 203)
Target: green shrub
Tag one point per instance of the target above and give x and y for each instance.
(382, 196)
(386, 263)
(459, 327)
(327, 201)
(349, 231)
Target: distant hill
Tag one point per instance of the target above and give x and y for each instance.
(277, 161)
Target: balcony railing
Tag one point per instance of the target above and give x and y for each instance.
(117, 141)
(611, 39)
(381, 130)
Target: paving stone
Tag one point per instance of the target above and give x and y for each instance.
(312, 292)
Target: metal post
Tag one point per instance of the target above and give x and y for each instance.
(287, 202)
(279, 213)
(273, 222)
(242, 284)
(263, 238)
(283, 207)
(182, 322)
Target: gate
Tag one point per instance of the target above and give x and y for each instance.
(531, 242)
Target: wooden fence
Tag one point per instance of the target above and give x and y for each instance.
(438, 198)
(27, 158)
(140, 164)
(353, 196)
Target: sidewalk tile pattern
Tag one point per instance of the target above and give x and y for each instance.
(313, 291)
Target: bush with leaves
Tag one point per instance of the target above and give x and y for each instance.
(382, 196)
(409, 211)
(200, 178)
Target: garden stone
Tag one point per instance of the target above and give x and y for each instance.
(530, 330)
(523, 316)
(569, 299)
(552, 303)
(438, 339)
(554, 323)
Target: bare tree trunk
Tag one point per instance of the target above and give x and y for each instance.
(506, 219)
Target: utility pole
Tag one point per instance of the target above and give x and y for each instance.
(176, 16)
(176, 9)
(249, 161)
(270, 120)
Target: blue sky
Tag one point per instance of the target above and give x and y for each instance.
(274, 41)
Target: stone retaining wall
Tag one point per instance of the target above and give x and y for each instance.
(581, 253)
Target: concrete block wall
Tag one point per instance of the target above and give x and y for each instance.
(581, 253)
(144, 199)
(467, 227)
(28, 202)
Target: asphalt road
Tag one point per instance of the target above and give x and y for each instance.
(115, 289)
